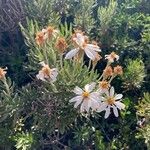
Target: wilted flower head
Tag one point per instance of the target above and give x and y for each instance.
(111, 57)
(2, 73)
(81, 46)
(51, 31)
(118, 70)
(111, 100)
(61, 44)
(104, 86)
(40, 38)
(86, 98)
(97, 58)
(46, 73)
(108, 71)
(45, 34)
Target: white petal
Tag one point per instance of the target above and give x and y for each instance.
(91, 54)
(90, 87)
(93, 47)
(78, 90)
(107, 93)
(95, 95)
(112, 91)
(53, 79)
(54, 72)
(89, 104)
(84, 106)
(104, 90)
(95, 105)
(120, 105)
(95, 102)
(78, 102)
(76, 99)
(117, 57)
(107, 113)
(80, 39)
(115, 111)
(42, 63)
(53, 76)
(118, 96)
(81, 108)
(44, 30)
(102, 107)
(110, 59)
(72, 53)
(40, 76)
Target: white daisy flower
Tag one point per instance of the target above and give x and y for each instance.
(111, 100)
(86, 98)
(111, 57)
(103, 86)
(82, 45)
(46, 73)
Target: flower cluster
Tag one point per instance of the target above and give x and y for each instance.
(98, 100)
(45, 34)
(51, 34)
(82, 45)
(46, 73)
(95, 96)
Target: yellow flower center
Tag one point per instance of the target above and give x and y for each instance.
(104, 85)
(46, 70)
(86, 94)
(113, 55)
(111, 100)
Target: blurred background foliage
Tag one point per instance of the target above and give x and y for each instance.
(122, 26)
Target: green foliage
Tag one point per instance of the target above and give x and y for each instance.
(143, 110)
(9, 100)
(134, 73)
(144, 106)
(23, 141)
(42, 11)
(83, 18)
(39, 115)
(146, 31)
(9, 109)
(99, 143)
(106, 15)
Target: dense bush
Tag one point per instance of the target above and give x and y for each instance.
(38, 82)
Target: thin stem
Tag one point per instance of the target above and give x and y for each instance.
(103, 131)
(112, 78)
(61, 60)
(108, 63)
(94, 65)
(54, 87)
(90, 61)
(45, 55)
